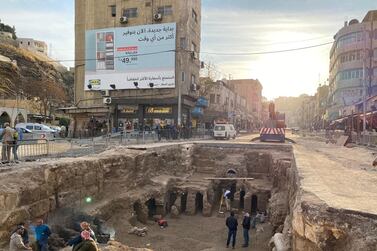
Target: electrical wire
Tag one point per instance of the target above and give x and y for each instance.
(265, 52)
(189, 51)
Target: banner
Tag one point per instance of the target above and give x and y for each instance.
(130, 57)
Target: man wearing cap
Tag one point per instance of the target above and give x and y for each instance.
(246, 227)
(16, 242)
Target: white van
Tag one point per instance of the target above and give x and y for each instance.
(224, 131)
(39, 131)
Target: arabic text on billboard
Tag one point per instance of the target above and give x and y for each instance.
(125, 56)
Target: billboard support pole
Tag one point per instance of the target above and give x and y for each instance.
(179, 105)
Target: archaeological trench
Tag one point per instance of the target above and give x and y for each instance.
(140, 183)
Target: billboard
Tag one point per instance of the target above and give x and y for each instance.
(129, 55)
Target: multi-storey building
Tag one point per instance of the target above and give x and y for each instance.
(353, 64)
(136, 61)
(252, 90)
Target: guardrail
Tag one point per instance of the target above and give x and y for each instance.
(24, 150)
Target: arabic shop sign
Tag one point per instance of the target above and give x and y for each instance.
(159, 110)
(125, 55)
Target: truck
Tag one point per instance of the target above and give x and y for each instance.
(274, 128)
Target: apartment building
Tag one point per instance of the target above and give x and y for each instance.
(136, 61)
(353, 64)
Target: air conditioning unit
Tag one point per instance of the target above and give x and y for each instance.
(158, 17)
(123, 20)
(194, 55)
(105, 93)
(107, 101)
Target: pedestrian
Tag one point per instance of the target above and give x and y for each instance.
(25, 233)
(16, 242)
(17, 139)
(246, 227)
(7, 141)
(227, 195)
(87, 243)
(231, 223)
(42, 232)
(85, 226)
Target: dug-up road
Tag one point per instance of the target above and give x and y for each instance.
(342, 177)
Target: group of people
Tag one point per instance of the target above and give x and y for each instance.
(247, 223)
(10, 142)
(19, 240)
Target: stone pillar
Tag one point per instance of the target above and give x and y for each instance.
(207, 206)
(190, 205)
(247, 200)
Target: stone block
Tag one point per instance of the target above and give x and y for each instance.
(15, 217)
(39, 208)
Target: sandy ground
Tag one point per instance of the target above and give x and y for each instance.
(194, 233)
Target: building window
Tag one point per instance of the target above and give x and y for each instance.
(28, 43)
(212, 98)
(132, 12)
(183, 77)
(182, 42)
(194, 16)
(193, 79)
(113, 10)
(218, 99)
(165, 10)
(193, 46)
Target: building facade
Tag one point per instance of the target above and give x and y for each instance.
(225, 105)
(32, 45)
(138, 105)
(353, 64)
(251, 89)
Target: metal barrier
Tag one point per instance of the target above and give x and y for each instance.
(24, 150)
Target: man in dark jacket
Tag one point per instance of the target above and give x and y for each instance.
(246, 227)
(231, 223)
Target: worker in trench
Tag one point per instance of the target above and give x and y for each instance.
(231, 223)
(227, 195)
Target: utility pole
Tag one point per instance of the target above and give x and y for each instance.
(364, 81)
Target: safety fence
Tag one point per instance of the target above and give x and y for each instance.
(366, 139)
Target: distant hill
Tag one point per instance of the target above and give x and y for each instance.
(27, 74)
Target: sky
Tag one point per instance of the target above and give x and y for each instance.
(235, 27)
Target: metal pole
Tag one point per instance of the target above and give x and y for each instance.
(364, 85)
(179, 100)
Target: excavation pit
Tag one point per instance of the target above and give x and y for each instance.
(183, 184)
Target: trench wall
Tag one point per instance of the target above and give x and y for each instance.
(37, 189)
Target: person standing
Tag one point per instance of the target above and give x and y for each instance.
(231, 223)
(18, 137)
(42, 232)
(16, 242)
(246, 227)
(7, 141)
(227, 199)
(87, 243)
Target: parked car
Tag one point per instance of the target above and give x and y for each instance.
(39, 131)
(224, 131)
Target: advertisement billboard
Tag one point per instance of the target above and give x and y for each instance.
(130, 57)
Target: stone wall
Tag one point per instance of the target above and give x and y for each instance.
(36, 189)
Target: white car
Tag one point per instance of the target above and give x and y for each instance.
(224, 131)
(40, 131)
